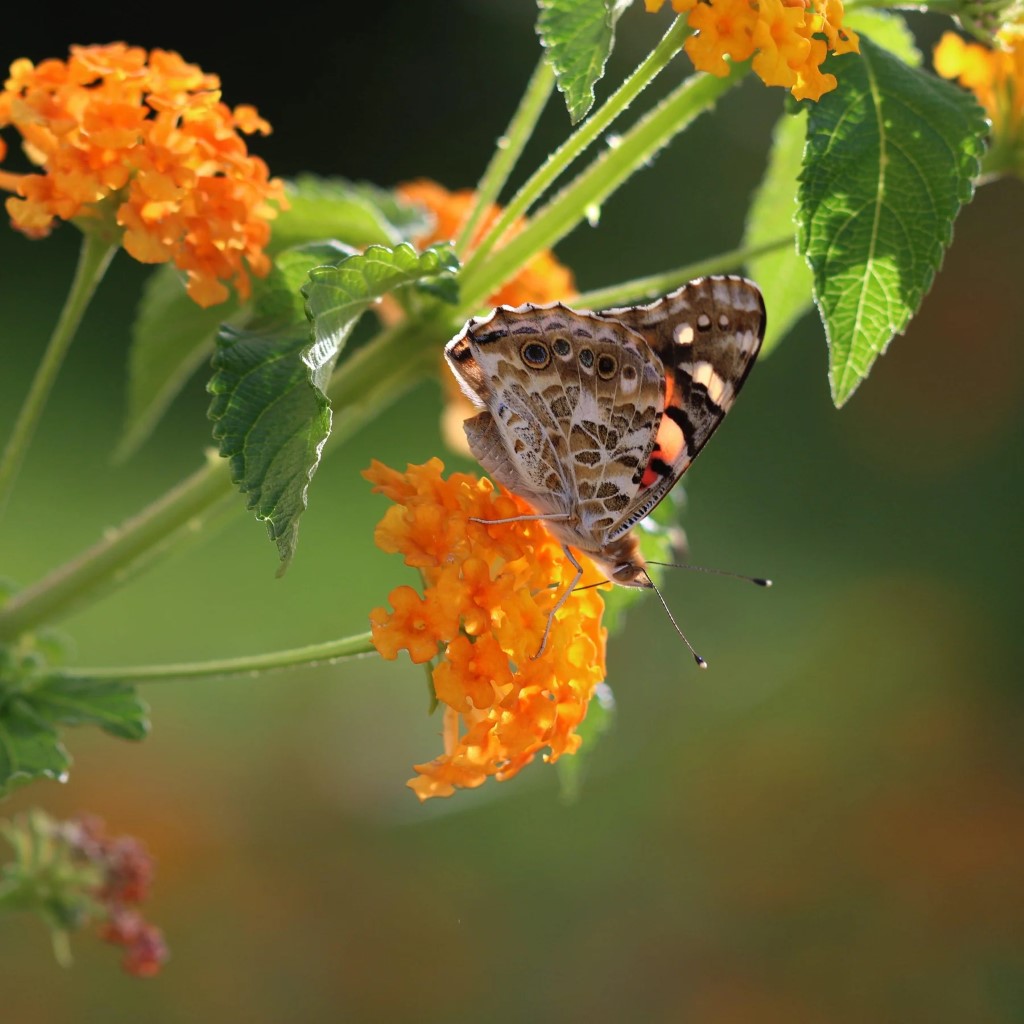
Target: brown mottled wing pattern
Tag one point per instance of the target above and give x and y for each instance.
(572, 403)
(707, 335)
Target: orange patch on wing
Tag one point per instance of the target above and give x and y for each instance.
(669, 443)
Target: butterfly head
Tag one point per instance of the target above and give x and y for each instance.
(631, 574)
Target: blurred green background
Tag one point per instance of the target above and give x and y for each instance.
(827, 826)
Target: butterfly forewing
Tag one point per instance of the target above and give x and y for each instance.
(572, 401)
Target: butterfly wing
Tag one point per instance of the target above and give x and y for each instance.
(706, 336)
(572, 401)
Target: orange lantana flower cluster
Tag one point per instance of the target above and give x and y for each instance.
(996, 77)
(788, 39)
(485, 603)
(148, 132)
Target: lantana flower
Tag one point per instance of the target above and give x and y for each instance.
(148, 135)
(543, 279)
(487, 594)
(788, 39)
(996, 77)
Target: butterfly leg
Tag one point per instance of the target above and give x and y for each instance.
(521, 519)
(565, 597)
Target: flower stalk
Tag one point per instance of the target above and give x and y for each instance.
(660, 284)
(583, 137)
(593, 186)
(93, 259)
(508, 149)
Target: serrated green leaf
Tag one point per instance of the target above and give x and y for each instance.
(356, 213)
(29, 747)
(598, 722)
(337, 296)
(113, 706)
(270, 409)
(577, 36)
(886, 29)
(270, 422)
(277, 299)
(891, 157)
(783, 275)
(171, 338)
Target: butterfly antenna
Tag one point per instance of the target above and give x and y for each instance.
(714, 572)
(701, 663)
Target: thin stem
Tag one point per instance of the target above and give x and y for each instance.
(660, 284)
(93, 259)
(313, 654)
(593, 186)
(508, 149)
(583, 137)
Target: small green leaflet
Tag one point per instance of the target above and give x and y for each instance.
(29, 714)
(891, 157)
(270, 409)
(577, 36)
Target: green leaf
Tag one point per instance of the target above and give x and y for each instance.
(171, 338)
(357, 214)
(887, 30)
(782, 275)
(337, 296)
(29, 747)
(599, 720)
(34, 700)
(577, 36)
(270, 409)
(113, 706)
(891, 156)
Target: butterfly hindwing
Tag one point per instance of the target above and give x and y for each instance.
(706, 336)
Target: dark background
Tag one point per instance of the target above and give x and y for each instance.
(827, 826)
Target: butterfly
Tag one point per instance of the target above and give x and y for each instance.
(592, 417)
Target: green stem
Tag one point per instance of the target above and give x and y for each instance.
(377, 375)
(593, 186)
(312, 654)
(583, 137)
(93, 259)
(508, 149)
(660, 284)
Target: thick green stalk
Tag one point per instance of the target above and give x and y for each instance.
(593, 186)
(373, 378)
(584, 136)
(508, 149)
(660, 284)
(101, 567)
(93, 259)
(312, 654)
